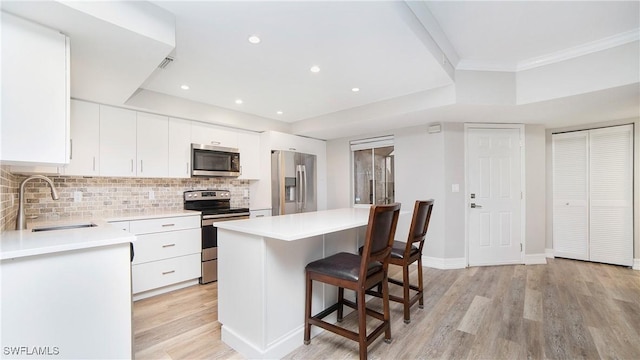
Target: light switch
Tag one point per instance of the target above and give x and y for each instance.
(455, 187)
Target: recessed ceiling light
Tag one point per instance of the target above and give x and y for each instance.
(355, 89)
(254, 39)
(314, 69)
(184, 87)
(279, 112)
(238, 101)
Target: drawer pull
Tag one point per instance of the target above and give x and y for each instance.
(168, 245)
(168, 225)
(259, 216)
(168, 272)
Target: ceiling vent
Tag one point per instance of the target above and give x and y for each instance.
(168, 60)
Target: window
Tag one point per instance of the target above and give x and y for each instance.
(373, 174)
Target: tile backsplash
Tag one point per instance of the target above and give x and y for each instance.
(100, 196)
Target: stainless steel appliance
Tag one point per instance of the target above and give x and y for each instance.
(215, 206)
(293, 182)
(210, 161)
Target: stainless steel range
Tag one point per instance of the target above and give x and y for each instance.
(215, 206)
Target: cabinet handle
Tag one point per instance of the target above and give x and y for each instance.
(94, 163)
(187, 168)
(131, 165)
(168, 272)
(259, 216)
(167, 225)
(141, 168)
(168, 245)
(292, 149)
(215, 143)
(71, 149)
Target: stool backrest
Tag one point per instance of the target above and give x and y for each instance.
(419, 223)
(381, 231)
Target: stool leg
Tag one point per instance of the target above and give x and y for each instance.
(307, 311)
(362, 324)
(385, 306)
(340, 302)
(405, 295)
(420, 284)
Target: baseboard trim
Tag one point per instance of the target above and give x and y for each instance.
(444, 263)
(636, 264)
(549, 253)
(535, 259)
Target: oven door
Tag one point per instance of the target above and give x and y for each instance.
(210, 245)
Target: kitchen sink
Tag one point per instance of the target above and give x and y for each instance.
(64, 227)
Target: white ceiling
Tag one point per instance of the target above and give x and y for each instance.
(400, 54)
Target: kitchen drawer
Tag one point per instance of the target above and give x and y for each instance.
(124, 225)
(158, 246)
(156, 274)
(164, 224)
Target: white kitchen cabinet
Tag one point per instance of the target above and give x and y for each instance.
(288, 142)
(152, 145)
(258, 213)
(179, 148)
(206, 134)
(249, 146)
(35, 94)
(167, 254)
(85, 139)
(117, 141)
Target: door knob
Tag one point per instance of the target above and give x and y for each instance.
(474, 206)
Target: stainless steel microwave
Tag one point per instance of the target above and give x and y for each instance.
(213, 161)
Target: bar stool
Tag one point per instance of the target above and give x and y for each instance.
(357, 273)
(404, 254)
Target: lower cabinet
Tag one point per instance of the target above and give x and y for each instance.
(167, 254)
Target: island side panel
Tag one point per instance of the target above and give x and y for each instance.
(241, 305)
(285, 276)
(73, 304)
(342, 241)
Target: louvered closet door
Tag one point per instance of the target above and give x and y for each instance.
(611, 195)
(571, 195)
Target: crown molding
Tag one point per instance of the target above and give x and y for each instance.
(581, 50)
(551, 58)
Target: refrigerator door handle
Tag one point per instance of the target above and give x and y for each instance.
(304, 189)
(299, 188)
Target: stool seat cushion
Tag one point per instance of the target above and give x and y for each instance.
(397, 251)
(342, 265)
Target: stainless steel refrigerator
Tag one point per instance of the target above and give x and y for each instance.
(293, 182)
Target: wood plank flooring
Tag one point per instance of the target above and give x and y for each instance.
(563, 310)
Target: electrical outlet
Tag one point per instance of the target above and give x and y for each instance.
(246, 193)
(152, 195)
(77, 196)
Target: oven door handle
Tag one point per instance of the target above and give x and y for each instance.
(209, 222)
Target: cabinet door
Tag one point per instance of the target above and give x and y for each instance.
(85, 139)
(117, 141)
(152, 145)
(210, 135)
(179, 148)
(249, 146)
(35, 97)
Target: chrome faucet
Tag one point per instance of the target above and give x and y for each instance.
(20, 223)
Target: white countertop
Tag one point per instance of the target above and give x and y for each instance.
(299, 226)
(22, 243)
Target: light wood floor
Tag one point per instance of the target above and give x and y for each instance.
(563, 310)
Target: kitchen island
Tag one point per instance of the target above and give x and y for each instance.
(261, 279)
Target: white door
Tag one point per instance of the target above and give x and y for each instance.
(152, 145)
(117, 142)
(494, 195)
(571, 195)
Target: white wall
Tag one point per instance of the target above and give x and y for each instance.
(426, 165)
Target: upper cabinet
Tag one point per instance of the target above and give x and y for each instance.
(117, 141)
(249, 146)
(85, 139)
(206, 134)
(152, 145)
(35, 94)
(179, 148)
